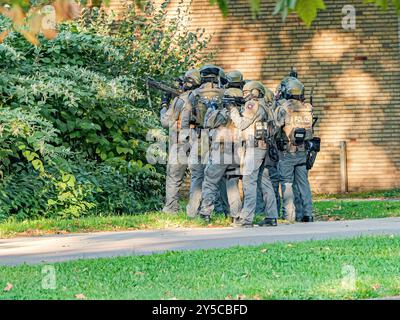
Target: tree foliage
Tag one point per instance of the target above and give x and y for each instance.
(74, 112)
(28, 15)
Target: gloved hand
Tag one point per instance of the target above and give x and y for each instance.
(165, 99)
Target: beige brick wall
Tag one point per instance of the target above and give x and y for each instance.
(357, 96)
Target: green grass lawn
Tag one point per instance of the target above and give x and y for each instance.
(306, 270)
(352, 210)
(392, 193)
(331, 210)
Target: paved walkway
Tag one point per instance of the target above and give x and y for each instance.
(108, 244)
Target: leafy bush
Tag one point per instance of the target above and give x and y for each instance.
(29, 194)
(26, 136)
(74, 113)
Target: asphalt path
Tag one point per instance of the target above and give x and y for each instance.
(56, 248)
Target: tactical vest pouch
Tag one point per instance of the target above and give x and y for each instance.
(261, 129)
(299, 136)
(198, 115)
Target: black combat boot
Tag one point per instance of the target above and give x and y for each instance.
(307, 219)
(205, 218)
(268, 222)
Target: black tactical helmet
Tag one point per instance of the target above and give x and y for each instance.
(212, 73)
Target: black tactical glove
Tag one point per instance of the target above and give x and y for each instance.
(165, 99)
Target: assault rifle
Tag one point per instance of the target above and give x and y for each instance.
(233, 100)
(220, 103)
(162, 86)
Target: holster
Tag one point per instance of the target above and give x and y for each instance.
(311, 157)
(313, 147)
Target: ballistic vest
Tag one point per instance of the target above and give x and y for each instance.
(257, 109)
(298, 121)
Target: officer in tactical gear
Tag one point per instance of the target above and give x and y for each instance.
(224, 163)
(270, 163)
(254, 124)
(178, 140)
(279, 97)
(295, 119)
(205, 97)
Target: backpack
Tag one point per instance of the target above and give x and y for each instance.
(205, 98)
(298, 122)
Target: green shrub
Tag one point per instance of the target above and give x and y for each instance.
(129, 188)
(81, 108)
(25, 136)
(29, 194)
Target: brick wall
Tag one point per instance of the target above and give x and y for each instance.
(356, 73)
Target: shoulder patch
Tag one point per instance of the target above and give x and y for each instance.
(250, 105)
(250, 108)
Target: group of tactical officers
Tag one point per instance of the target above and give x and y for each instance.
(243, 144)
